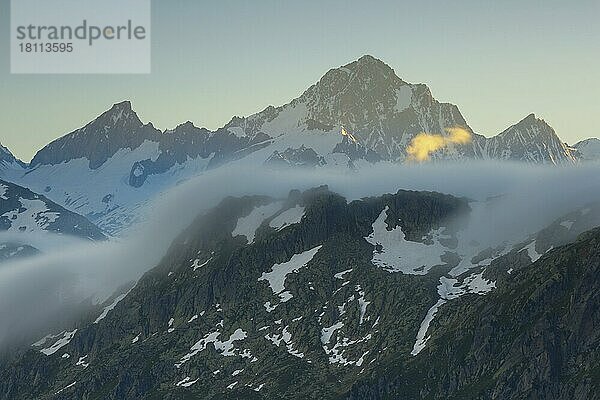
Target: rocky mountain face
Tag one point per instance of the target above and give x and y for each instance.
(533, 337)
(589, 149)
(120, 129)
(530, 140)
(187, 142)
(21, 210)
(294, 158)
(522, 339)
(382, 112)
(98, 170)
(314, 297)
(116, 129)
(23, 213)
(354, 116)
(8, 160)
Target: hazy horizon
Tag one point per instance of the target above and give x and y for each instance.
(496, 62)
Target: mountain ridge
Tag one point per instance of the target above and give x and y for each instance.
(8, 159)
(354, 116)
(535, 138)
(339, 88)
(115, 129)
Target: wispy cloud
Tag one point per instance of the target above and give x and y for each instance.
(39, 290)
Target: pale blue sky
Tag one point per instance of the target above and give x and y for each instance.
(497, 60)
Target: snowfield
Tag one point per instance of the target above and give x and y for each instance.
(400, 255)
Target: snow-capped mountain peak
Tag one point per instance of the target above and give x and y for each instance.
(115, 129)
(359, 113)
(382, 111)
(364, 90)
(120, 114)
(530, 140)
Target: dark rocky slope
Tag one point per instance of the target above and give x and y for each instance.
(226, 295)
(535, 337)
(205, 324)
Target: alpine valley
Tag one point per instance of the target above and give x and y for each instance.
(314, 294)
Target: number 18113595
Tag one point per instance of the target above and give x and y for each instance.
(46, 47)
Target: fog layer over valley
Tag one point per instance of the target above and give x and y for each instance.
(41, 294)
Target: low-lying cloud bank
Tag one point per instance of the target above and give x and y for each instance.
(39, 289)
